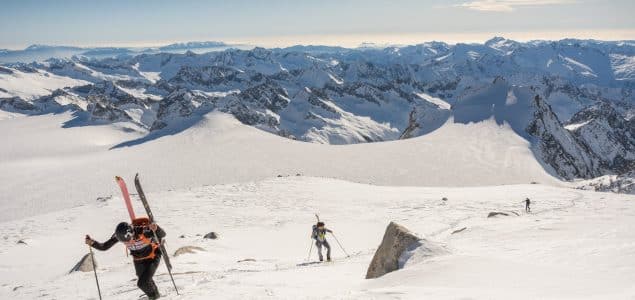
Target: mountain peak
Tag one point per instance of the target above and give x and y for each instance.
(495, 39)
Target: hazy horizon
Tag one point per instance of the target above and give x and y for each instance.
(280, 23)
(352, 41)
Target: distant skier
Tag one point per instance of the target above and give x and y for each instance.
(145, 251)
(527, 203)
(319, 235)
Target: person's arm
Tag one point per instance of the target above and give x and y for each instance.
(160, 232)
(157, 230)
(99, 246)
(328, 230)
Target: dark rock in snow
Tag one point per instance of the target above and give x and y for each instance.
(459, 230)
(212, 235)
(103, 199)
(496, 213)
(16, 104)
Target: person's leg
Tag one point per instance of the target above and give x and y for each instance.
(140, 267)
(145, 282)
(328, 250)
(151, 271)
(318, 245)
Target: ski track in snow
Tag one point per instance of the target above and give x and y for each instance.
(576, 243)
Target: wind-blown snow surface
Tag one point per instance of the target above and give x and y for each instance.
(46, 167)
(575, 244)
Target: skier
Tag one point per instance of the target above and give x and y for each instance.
(145, 250)
(527, 208)
(319, 235)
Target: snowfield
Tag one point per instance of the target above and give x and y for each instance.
(575, 245)
(30, 85)
(221, 175)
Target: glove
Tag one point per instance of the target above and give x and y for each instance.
(89, 241)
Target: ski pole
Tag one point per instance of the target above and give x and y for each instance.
(338, 242)
(92, 258)
(310, 249)
(170, 266)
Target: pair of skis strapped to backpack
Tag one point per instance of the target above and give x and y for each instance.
(146, 206)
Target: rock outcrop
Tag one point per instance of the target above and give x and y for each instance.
(84, 265)
(187, 249)
(606, 133)
(557, 147)
(396, 241)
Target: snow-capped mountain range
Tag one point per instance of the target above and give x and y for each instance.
(571, 99)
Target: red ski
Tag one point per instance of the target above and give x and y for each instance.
(126, 196)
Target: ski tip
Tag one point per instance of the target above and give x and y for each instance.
(118, 178)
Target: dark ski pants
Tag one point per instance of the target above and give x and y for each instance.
(319, 244)
(145, 270)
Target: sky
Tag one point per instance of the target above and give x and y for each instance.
(273, 23)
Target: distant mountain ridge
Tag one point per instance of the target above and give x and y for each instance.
(193, 45)
(39, 53)
(572, 100)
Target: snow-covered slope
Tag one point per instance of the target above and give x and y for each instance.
(574, 245)
(219, 149)
(29, 84)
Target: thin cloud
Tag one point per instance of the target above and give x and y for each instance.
(508, 5)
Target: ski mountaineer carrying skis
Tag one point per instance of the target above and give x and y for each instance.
(145, 250)
(319, 235)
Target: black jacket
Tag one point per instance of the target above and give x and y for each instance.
(140, 232)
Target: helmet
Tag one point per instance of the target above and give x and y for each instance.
(124, 232)
(320, 224)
